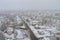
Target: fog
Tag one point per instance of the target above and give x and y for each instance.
(29, 4)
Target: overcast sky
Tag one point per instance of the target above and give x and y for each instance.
(29, 4)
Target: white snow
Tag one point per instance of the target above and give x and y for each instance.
(8, 37)
(19, 33)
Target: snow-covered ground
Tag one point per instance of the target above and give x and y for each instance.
(42, 24)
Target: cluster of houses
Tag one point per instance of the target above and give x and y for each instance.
(29, 27)
(14, 29)
(44, 29)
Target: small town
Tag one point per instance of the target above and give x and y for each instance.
(30, 25)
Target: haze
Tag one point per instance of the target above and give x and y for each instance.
(29, 4)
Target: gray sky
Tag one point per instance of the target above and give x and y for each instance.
(29, 4)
